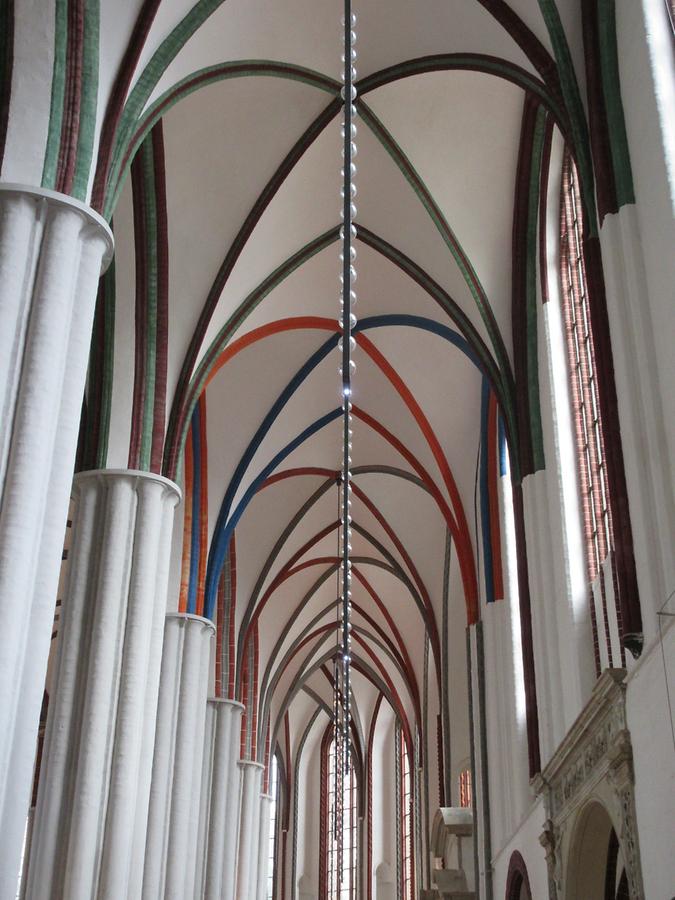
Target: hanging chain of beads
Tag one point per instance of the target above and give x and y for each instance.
(347, 322)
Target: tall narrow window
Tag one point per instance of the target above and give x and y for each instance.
(341, 830)
(465, 796)
(597, 518)
(406, 831)
(274, 805)
(405, 868)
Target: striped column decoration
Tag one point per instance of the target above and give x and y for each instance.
(152, 304)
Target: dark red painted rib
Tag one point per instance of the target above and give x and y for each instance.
(138, 188)
(117, 97)
(70, 124)
(543, 207)
(162, 328)
(603, 165)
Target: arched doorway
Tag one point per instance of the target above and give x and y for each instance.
(596, 869)
(517, 881)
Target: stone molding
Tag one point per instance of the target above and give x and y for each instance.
(593, 762)
(58, 199)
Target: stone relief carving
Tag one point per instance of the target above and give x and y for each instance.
(549, 841)
(594, 760)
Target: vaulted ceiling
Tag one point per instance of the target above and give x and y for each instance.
(227, 232)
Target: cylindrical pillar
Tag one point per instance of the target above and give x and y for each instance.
(249, 823)
(263, 846)
(173, 820)
(52, 251)
(96, 763)
(221, 785)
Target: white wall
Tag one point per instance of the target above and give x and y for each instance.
(650, 723)
(526, 841)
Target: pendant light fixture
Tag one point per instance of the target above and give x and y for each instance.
(346, 345)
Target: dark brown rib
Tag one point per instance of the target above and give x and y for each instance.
(7, 30)
(528, 42)
(531, 711)
(138, 189)
(519, 284)
(232, 256)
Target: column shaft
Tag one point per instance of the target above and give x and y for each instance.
(249, 823)
(263, 846)
(92, 796)
(51, 254)
(173, 821)
(221, 788)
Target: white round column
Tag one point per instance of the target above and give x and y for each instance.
(173, 820)
(52, 252)
(221, 788)
(263, 845)
(97, 757)
(249, 824)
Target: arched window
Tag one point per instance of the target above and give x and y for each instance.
(339, 831)
(465, 792)
(404, 818)
(274, 807)
(588, 427)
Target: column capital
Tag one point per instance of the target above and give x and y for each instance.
(59, 199)
(191, 617)
(227, 702)
(245, 763)
(136, 474)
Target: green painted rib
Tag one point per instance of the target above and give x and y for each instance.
(532, 345)
(51, 160)
(89, 99)
(611, 86)
(575, 108)
(150, 311)
(151, 74)
(474, 62)
(182, 89)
